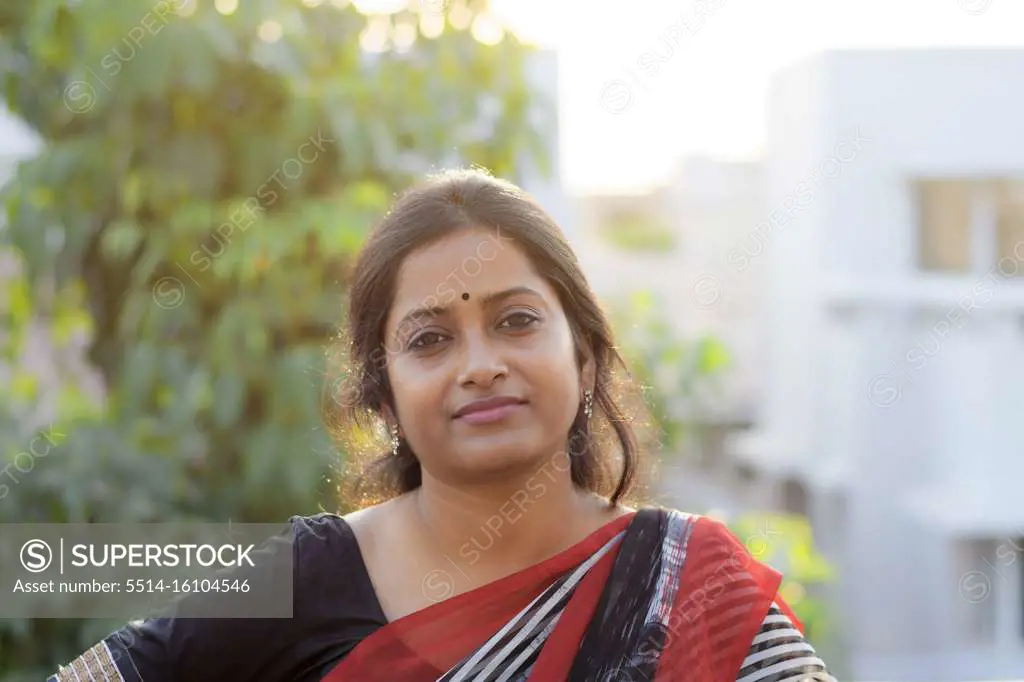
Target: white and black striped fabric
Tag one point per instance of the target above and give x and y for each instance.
(780, 653)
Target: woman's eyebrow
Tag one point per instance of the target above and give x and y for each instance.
(489, 299)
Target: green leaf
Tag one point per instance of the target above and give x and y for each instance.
(228, 399)
(24, 386)
(121, 239)
(714, 357)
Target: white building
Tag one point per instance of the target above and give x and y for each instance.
(707, 207)
(895, 348)
(545, 184)
(869, 277)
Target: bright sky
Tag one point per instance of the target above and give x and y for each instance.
(708, 96)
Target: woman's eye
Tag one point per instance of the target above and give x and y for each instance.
(523, 320)
(420, 342)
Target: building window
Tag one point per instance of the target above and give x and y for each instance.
(978, 587)
(1010, 226)
(794, 498)
(944, 242)
(971, 226)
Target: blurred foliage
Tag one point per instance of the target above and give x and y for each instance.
(679, 377)
(638, 232)
(204, 185)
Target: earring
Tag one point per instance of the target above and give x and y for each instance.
(394, 439)
(588, 402)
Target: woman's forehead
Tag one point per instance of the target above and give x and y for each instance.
(469, 261)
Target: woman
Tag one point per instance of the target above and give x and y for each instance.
(502, 549)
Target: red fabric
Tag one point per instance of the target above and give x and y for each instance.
(723, 596)
(422, 646)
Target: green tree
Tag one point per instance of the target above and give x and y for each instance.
(206, 181)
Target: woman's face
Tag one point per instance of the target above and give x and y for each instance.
(508, 339)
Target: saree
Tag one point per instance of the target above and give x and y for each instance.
(654, 595)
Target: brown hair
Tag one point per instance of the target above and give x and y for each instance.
(439, 206)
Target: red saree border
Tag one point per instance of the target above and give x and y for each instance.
(374, 657)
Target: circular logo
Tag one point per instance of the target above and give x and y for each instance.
(438, 585)
(975, 7)
(616, 97)
(341, 393)
(974, 586)
(79, 97)
(168, 292)
(884, 391)
(36, 556)
(757, 545)
(707, 291)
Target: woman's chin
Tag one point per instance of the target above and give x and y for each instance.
(499, 459)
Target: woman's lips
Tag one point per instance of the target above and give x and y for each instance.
(490, 415)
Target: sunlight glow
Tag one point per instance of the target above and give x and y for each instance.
(487, 29)
(460, 17)
(312, 3)
(431, 25)
(226, 7)
(270, 31)
(403, 35)
(186, 8)
(371, 7)
(536, 22)
(709, 96)
(375, 37)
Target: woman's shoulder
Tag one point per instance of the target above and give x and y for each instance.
(321, 528)
(710, 527)
(327, 541)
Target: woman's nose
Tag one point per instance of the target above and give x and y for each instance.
(481, 361)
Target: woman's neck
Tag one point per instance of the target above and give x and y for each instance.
(497, 528)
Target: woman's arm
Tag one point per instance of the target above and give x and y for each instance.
(197, 649)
